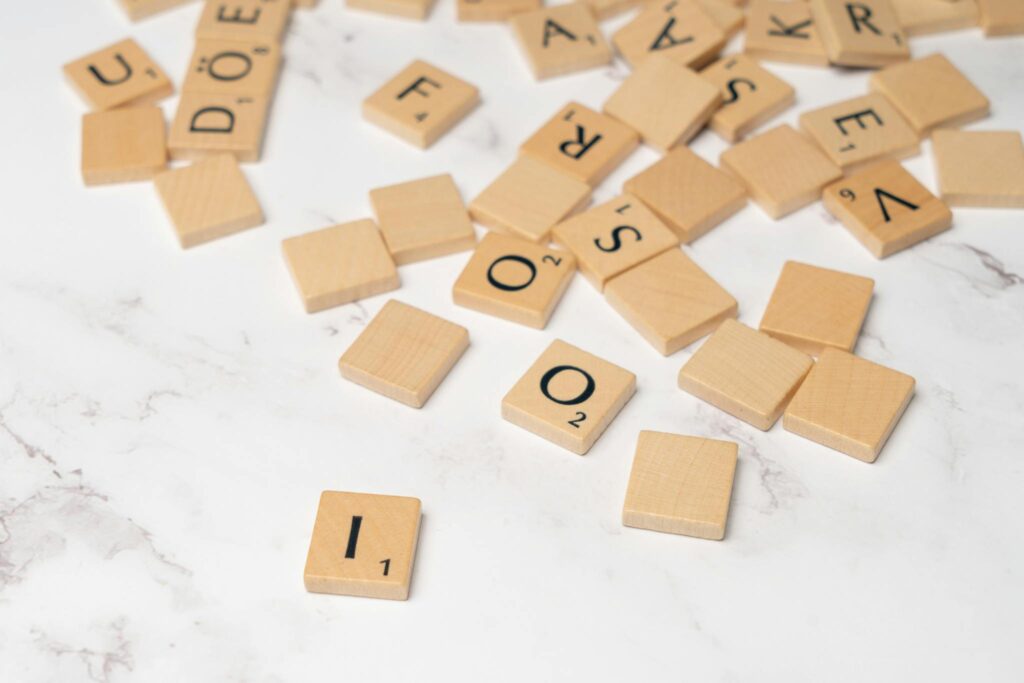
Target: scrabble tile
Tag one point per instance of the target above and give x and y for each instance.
(514, 279)
(1002, 17)
(305, 4)
(922, 17)
(727, 16)
(421, 103)
(930, 93)
(363, 545)
(783, 31)
(257, 20)
(407, 9)
(117, 76)
(665, 102)
(886, 209)
(209, 199)
(423, 219)
(568, 397)
(209, 123)
(783, 170)
(849, 404)
(980, 168)
(860, 130)
(122, 145)
(528, 199)
(864, 33)
(670, 301)
(688, 193)
(745, 373)
(612, 238)
(680, 485)
(140, 9)
(231, 67)
(751, 95)
(681, 30)
(582, 143)
(606, 9)
(340, 264)
(493, 10)
(404, 353)
(815, 308)
(560, 40)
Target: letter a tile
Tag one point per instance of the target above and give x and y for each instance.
(561, 39)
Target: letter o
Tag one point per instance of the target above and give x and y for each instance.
(515, 259)
(587, 392)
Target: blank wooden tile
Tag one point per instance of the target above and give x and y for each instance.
(493, 10)
(230, 67)
(681, 30)
(407, 9)
(670, 301)
(560, 40)
(528, 199)
(613, 237)
(606, 9)
(423, 219)
(209, 199)
(140, 9)
(725, 14)
(688, 193)
(404, 353)
(122, 145)
(886, 208)
(783, 170)
(930, 92)
(340, 264)
(582, 143)
(1002, 17)
(665, 102)
(568, 397)
(922, 17)
(864, 33)
(421, 103)
(116, 76)
(751, 95)
(514, 279)
(814, 308)
(746, 373)
(849, 404)
(783, 31)
(209, 124)
(680, 485)
(860, 130)
(980, 168)
(363, 545)
(259, 20)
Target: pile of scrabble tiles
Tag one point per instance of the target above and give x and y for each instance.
(798, 365)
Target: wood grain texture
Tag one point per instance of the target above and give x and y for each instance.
(123, 145)
(141, 9)
(923, 17)
(783, 31)
(211, 124)
(493, 10)
(980, 168)
(258, 20)
(1002, 17)
(561, 39)
(860, 130)
(681, 30)
(231, 67)
(865, 33)
(606, 9)
(751, 96)
(119, 75)
(405, 9)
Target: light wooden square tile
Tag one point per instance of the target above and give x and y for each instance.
(865, 33)
(421, 103)
(363, 545)
(582, 143)
(980, 168)
(783, 31)
(886, 208)
(141, 9)
(922, 17)
(568, 397)
(813, 308)
(670, 301)
(123, 145)
(860, 130)
(406, 9)
(119, 75)
(305, 4)
(404, 353)
(746, 373)
(561, 39)
(849, 404)
(751, 96)
(258, 20)
(340, 264)
(725, 14)
(783, 170)
(493, 10)
(230, 67)
(1002, 17)
(207, 124)
(680, 485)
(606, 9)
(514, 279)
(423, 219)
(681, 30)
(209, 199)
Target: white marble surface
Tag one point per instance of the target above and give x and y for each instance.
(168, 418)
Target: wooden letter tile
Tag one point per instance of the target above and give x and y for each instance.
(254, 20)
(561, 39)
(208, 123)
(860, 130)
(423, 219)
(849, 404)
(209, 199)
(886, 208)
(407, 9)
(363, 545)
(860, 32)
(813, 308)
(664, 101)
(514, 279)
(745, 373)
(421, 103)
(606, 9)
(680, 485)
(751, 96)
(670, 301)
(229, 67)
(528, 199)
(122, 145)
(140, 9)
(980, 168)
(921, 17)
(116, 76)
(582, 143)
(493, 10)
(568, 397)
(1002, 17)
(783, 31)
(783, 170)
(681, 30)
